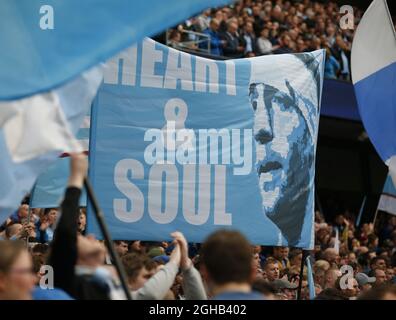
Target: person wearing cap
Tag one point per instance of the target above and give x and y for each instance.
(365, 282)
(285, 288)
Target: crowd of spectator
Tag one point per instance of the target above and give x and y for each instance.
(348, 262)
(251, 28)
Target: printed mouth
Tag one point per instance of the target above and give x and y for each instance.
(269, 166)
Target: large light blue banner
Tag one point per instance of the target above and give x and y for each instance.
(180, 142)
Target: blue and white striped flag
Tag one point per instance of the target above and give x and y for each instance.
(374, 78)
(387, 201)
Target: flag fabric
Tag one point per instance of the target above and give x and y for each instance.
(374, 77)
(311, 283)
(387, 201)
(50, 186)
(35, 130)
(180, 142)
(45, 43)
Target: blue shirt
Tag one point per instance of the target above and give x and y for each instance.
(215, 43)
(254, 295)
(331, 68)
(50, 294)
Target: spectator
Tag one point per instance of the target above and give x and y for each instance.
(82, 221)
(263, 45)
(216, 44)
(380, 276)
(45, 226)
(232, 47)
(121, 247)
(381, 292)
(271, 269)
(331, 277)
(281, 255)
(248, 38)
(228, 267)
(364, 281)
(332, 66)
(16, 271)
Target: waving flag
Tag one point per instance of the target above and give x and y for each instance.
(35, 130)
(180, 142)
(374, 77)
(50, 186)
(45, 43)
(387, 201)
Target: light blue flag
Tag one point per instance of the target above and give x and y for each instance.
(311, 283)
(50, 186)
(45, 43)
(34, 131)
(180, 142)
(374, 78)
(387, 201)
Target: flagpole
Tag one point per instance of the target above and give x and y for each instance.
(300, 280)
(375, 218)
(106, 235)
(361, 211)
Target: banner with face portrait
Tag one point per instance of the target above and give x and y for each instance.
(180, 142)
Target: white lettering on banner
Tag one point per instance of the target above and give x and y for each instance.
(220, 216)
(127, 60)
(201, 215)
(204, 68)
(174, 72)
(155, 193)
(166, 68)
(150, 57)
(129, 189)
(164, 209)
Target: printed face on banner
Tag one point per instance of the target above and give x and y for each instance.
(284, 146)
(180, 142)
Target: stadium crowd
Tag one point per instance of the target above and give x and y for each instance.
(225, 266)
(261, 27)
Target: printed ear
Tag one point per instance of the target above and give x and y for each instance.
(251, 88)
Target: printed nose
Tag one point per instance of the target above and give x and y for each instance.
(263, 136)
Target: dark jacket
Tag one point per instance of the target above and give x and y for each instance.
(63, 255)
(232, 44)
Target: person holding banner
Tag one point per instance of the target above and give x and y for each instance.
(77, 260)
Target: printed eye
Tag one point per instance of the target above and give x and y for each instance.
(254, 104)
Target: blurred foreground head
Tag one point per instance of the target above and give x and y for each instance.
(227, 259)
(17, 278)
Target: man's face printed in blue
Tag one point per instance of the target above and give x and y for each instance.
(284, 154)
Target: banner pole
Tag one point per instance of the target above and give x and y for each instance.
(375, 218)
(300, 280)
(357, 224)
(106, 235)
